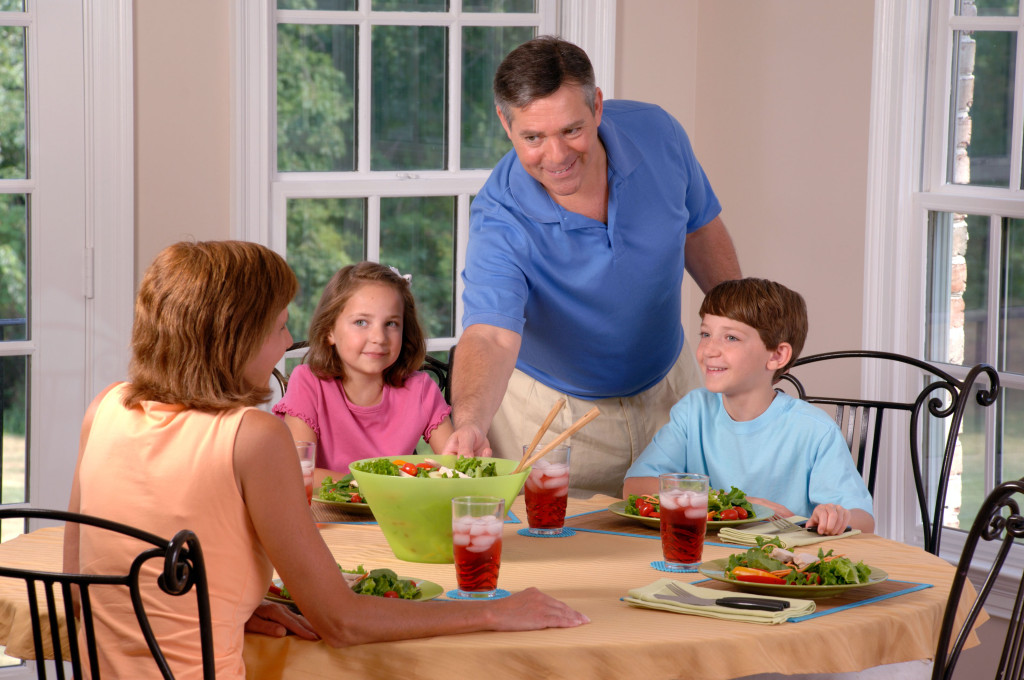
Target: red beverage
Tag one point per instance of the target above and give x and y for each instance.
(546, 491)
(476, 543)
(684, 518)
(477, 572)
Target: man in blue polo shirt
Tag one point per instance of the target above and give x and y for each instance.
(578, 243)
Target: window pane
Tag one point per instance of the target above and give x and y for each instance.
(336, 5)
(499, 6)
(409, 98)
(1012, 332)
(12, 5)
(409, 5)
(13, 163)
(316, 104)
(1001, 8)
(969, 489)
(982, 108)
(13, 426)
(324, 235)
(13, 267)
(484, 141)
(956, 316)
(417, 236)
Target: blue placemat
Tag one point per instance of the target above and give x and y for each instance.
(564, 533)
(512, 519)
(498, 594)
(661, 565)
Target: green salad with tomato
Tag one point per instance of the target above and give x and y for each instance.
(378, 582)
(464, 466)
(344, 490)
(768, 562)
(723, 506)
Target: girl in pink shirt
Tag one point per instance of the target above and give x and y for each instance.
(358, 393)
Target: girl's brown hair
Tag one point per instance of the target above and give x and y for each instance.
(778, 313)
(202, 313)
(322, 358)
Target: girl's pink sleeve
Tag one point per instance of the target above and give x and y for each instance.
(302, 398)
(433, 404)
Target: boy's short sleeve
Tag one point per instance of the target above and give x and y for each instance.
(834, 477)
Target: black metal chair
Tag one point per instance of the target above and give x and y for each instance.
(991, 524)
(183, 569)
(432, 365)
(944, 398)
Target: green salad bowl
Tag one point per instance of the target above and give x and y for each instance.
(415, 513)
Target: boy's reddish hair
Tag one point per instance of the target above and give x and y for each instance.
(778, 313)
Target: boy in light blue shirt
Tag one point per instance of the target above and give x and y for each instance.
(784, 453)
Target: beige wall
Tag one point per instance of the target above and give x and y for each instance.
(775, 96)
(182, 152)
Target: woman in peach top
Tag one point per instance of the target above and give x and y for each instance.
(181, 446)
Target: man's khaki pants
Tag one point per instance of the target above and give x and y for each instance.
(605, 448)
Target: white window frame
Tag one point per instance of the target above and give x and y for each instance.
(260, 194)
(900, 167)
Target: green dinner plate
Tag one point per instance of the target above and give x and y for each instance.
(428, 590)
(715, 569)
(354, 508)
(619, 508)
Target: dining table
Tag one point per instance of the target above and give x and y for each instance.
(602, 556)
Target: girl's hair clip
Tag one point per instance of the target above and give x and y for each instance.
(407, 277)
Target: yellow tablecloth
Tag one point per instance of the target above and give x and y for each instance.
(591, 571)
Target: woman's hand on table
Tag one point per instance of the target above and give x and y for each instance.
(532, 610)
(277, 620)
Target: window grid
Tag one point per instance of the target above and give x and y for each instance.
(375, 185)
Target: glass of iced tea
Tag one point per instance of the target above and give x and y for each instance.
(546, 491)
(684, 517)
(477, 522)
(307, 459)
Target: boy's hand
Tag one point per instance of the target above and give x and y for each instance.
(830, 519)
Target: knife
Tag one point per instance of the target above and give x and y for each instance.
(737, 602)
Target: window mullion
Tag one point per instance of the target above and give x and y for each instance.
(364, 92)
(454, 131)
(1017, 135)
(992, 343)
(373, 228)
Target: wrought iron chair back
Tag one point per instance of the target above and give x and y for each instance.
(183, 570)
(999, 520)
(437, 368)
(944, 398)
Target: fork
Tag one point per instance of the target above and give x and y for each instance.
(783, 525)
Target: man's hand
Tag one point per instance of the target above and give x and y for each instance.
(468, 441)
(277, 620)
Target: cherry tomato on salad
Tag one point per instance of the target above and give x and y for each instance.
(355, 498)
(425, 466)
(730, 514)
(741, 512)
(410, 469)
(391, 593)
(643, 507)
(655, 514)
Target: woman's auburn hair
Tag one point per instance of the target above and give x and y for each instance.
(203, 311)
(323, 359)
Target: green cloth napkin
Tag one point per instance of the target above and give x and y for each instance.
(644, 597)
(789, 539)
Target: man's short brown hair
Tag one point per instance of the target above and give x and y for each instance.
(537, 69)
(778, 313)
(202, 313)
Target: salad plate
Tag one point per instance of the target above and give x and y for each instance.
(760, 511)
(715, 570)
(347, 506)
(428, 590)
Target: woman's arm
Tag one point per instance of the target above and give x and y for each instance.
(271, 484)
